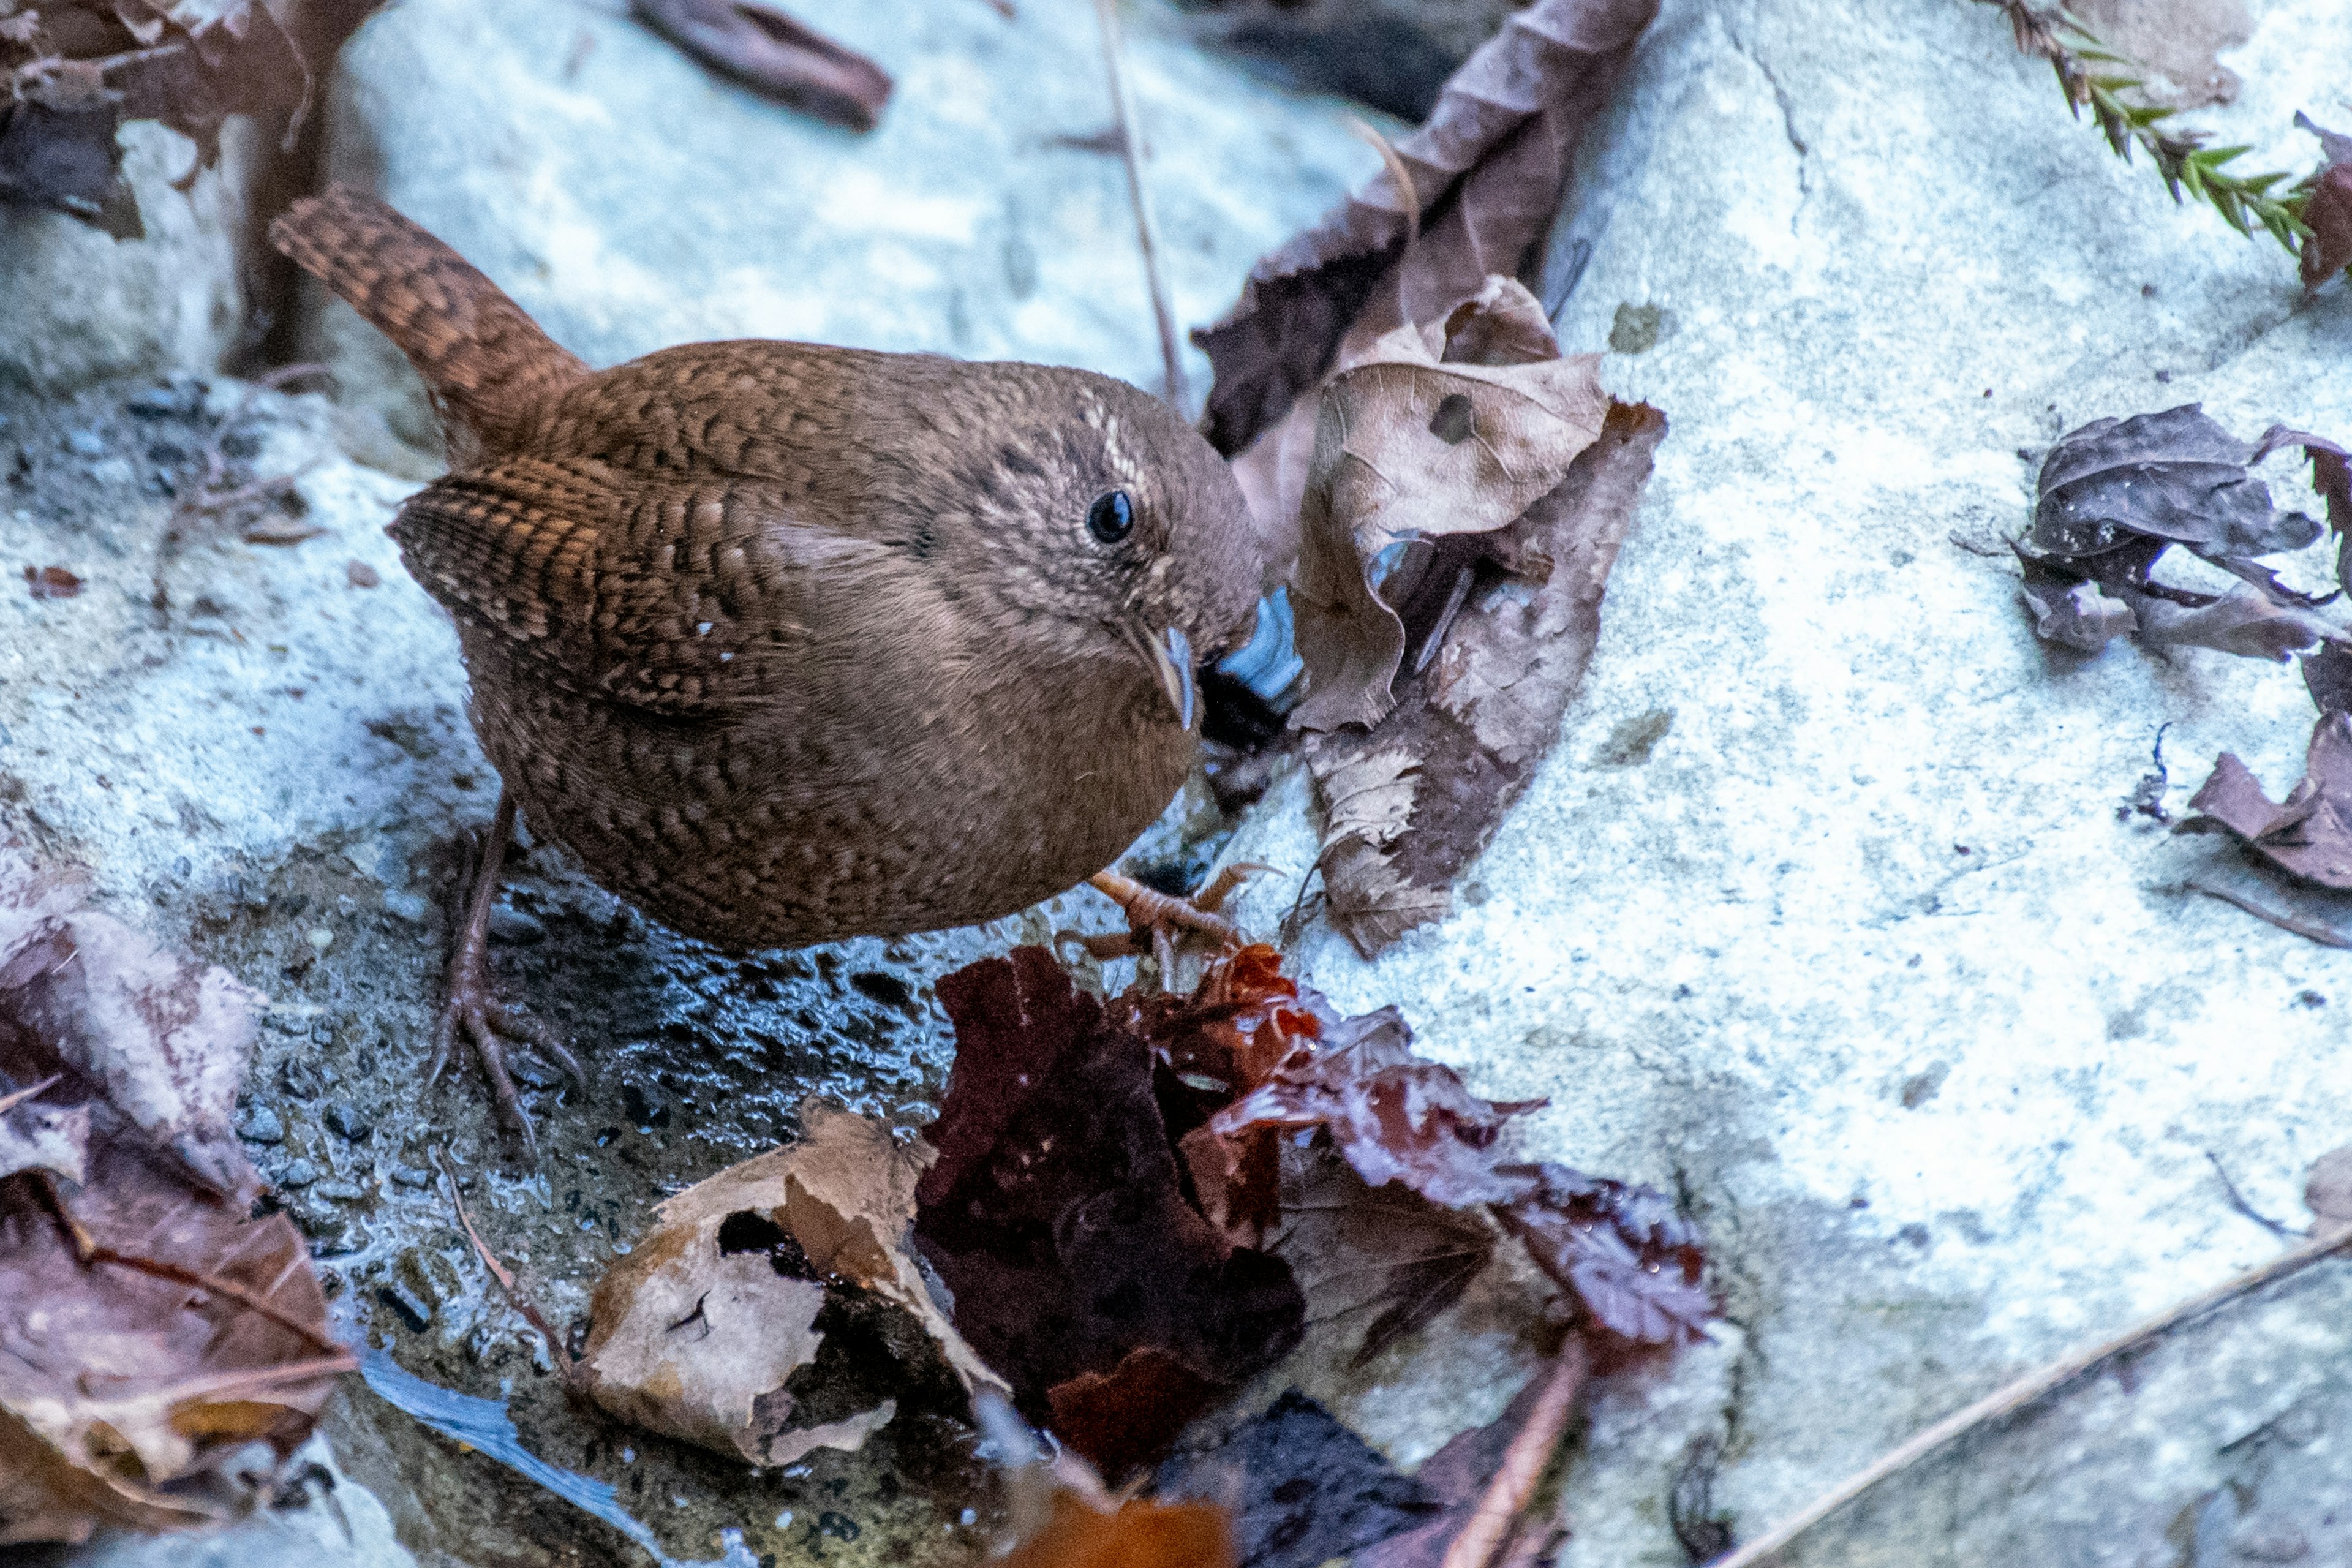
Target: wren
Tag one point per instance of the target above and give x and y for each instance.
(789, 643)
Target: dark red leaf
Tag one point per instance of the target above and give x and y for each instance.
(2308, 834)
(1623, 1250)
(51, 583)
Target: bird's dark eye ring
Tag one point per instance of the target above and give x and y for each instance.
(1111, 518)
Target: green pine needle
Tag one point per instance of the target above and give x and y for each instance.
(2117, 97)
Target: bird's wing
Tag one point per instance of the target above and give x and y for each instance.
(691, 596)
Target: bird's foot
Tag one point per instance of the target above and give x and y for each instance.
(474, 1015)
(1162, 925)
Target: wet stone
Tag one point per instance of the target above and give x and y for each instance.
(299, 1172)
(411, 1309)
(261, 1125)
(86, 444)
(340, 1192)
(410, 907)
(514, 928)
(410, 1176)
(344, 1120)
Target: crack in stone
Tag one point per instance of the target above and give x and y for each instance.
(1788, 121)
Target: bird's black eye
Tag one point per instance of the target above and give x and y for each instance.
(1111, 518)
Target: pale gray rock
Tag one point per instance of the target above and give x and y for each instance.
(82, 307)
(1828, 909)
(630, 199)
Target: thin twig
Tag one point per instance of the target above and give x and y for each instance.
(522, 1303)
(9, 1102)
(1523, 1461)
(1147, 232)
(1406, 193)
(2238, 1202)
(2325, 935)
(2016, 1396)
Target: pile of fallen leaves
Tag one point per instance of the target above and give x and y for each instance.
(77, 69)
(1440, 488)
(161, 1354)
(2114, 497)
(1128, 1209)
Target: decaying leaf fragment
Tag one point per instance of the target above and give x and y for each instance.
(1485, 170)
(774, 55)
(1058, 1217)
(706, 1330)
(2115, 495)
(2310, 833)
(77, 69)
(1412, 447)
(153, 1335)
(2327, 212)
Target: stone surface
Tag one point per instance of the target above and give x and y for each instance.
(1826, 910)
(631, 200)
(82, 307)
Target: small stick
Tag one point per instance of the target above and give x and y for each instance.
(9, 1102)
(522, 1303)
(1523, 1461)
(1147, 232)
(2324, 935)
(2025, 1391)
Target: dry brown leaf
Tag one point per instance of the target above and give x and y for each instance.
(153, 1332)
(698, 1331)
(774, 55)
(1486, 172)
(158, 1040)
(1469, 726)
(2308, 834)
(1411, 445)
(2328, 1192)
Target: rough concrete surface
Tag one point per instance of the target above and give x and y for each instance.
(80, 306)
(631, 200)
(1828, 909)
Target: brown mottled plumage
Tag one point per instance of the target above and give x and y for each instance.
(791, 643)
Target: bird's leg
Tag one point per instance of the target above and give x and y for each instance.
(1160, 924)
(474, 1013)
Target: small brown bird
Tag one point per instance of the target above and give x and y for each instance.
(791, 643)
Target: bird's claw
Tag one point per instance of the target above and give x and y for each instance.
(474, 1015)
(1162, 925)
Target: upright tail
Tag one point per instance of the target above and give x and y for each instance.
(487, 363)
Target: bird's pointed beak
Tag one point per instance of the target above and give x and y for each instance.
(1169, 652)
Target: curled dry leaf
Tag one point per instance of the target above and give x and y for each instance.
(153, 1039)
(2328, 1192)
(2327, 212)
(1409, 448)
(1487, 170)
(82, 67)
(1624, 1251)
(51, 583)
(157, 1332)
(1410, 803)
(775, 55)
(1056, 1216)
(2310, 833)
(2116, 494)
(710, 1328)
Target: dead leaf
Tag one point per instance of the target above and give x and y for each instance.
(2327, 1193)
(2075, 613)
(1385, 1257)
(2327, 212)
(1303, 1491)
(1411, 447)
(2176, 475)
(1487, 171)
(703, 1330)
(2244, 621)
(1055, 1212)
(1622, 1250)
(1414, 800)
(1392, 1115)
(156, 1333)
(1456, 1477)
(773, 55)
(51, 583)
(136, 61)
(153, 1039)
(2309, 833)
